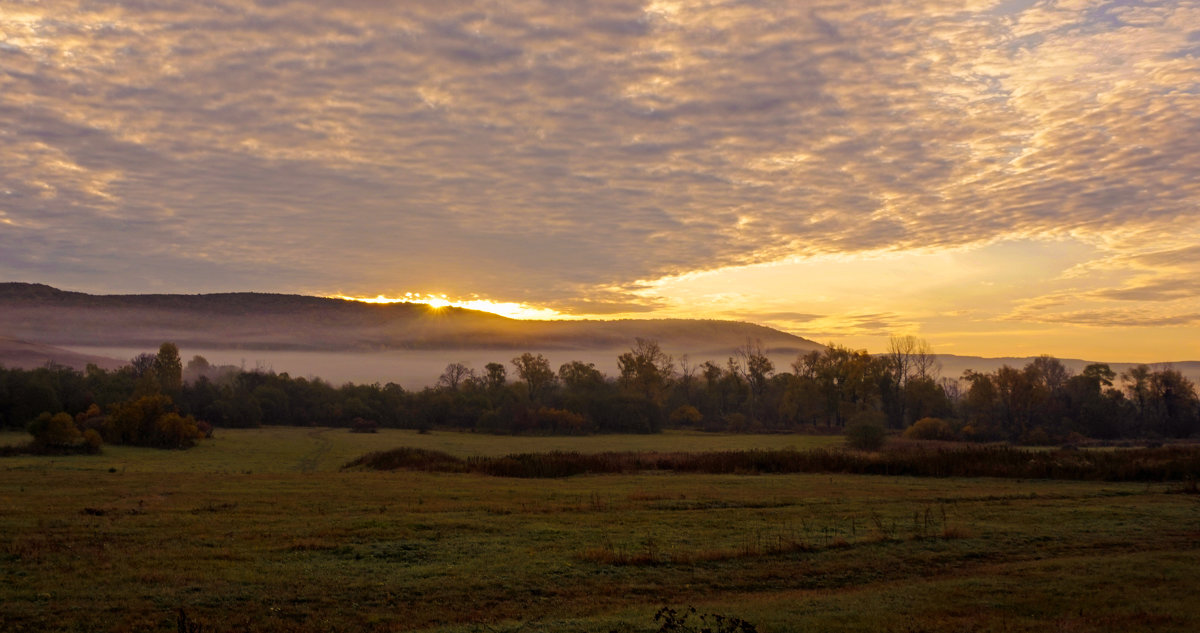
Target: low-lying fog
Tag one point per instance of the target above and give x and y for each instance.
(411, 369)
(415, 369)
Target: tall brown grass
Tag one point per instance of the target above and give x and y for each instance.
(1166, 463)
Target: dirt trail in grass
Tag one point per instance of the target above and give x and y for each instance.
(312, 458)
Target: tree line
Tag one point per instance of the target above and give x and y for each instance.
(157, 401)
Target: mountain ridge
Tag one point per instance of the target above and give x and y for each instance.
(47, 315)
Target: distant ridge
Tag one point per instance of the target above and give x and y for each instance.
(249, 320)
(18, 354)
(953, 366)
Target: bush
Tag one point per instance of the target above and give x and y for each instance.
(930, 429)
(58, 434)
(866, 433)
(408, 458)
(559, 421)
(205, 428)
(1171, 463)
(686, 415)
(361, 425)
(92, 441)
(1037, 436)
(56, 431)
(735, 423)
(675, 621)
(151, 421)
(175, 431)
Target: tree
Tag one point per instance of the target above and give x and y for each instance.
(197, 368)
(1101, 373)
(979, 405)
(687, 378)
(1048, 372)
(577, 375)
(1018, 398)
(845, 381)
(751, 362)
(646, 370)
(169, 369)
(455, 375)
(912, 357)
(142, 364)
(1164, 401)
(925, 398)
(494, 376)
(535, 371)
(1094, 406)
(133, 422)
(913, 369)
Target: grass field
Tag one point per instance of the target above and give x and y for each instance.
(257, 530)
(287, 449)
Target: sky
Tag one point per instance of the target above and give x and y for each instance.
(1000, 178)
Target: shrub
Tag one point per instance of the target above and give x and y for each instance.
(1172, 463)
(56, 431)
(150, 421)
(686, 415)
(361, 425)
(559, 421)
(674, 621)
(93, 418)
(735, 423)
(1037, 436)
(58, 434)
(133, 421)
(930, 429)
(205, 428)
(92, 441)
(866, 433)
(408, 458)
(174, 431)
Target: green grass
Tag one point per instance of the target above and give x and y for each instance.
(289, 449)
(248, 538)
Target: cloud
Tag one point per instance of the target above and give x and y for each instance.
(795, 317)
(1187, 258)
(559, 153)
(1157, 290)
(840, 326)
(1122, 318)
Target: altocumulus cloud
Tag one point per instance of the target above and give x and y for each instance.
(560, 152)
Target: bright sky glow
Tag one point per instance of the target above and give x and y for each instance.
(997, 176)
(506, 309)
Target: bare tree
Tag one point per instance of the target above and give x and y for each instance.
(455, 375)
(912, 357)
(687, 377)
(753, 364)
(952, 387)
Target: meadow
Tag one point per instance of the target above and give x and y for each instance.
(261, 530)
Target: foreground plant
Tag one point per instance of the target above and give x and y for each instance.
(675, 621)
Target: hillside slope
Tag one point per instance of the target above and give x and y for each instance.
(15, 353)
(36, 312)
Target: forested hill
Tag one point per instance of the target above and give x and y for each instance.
(40, 313)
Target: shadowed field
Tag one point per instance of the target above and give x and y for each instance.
(257, 531)
(289, 449)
